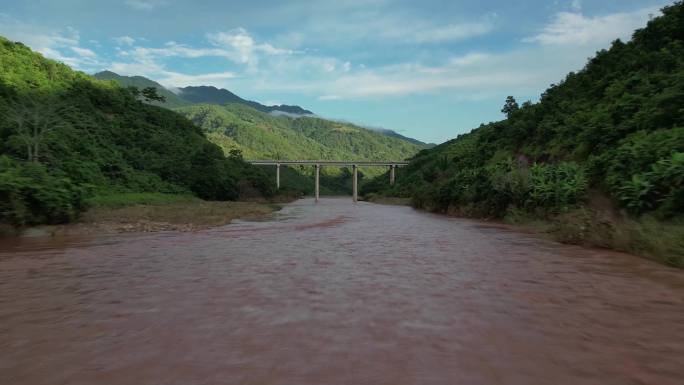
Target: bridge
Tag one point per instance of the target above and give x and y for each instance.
(344, 163)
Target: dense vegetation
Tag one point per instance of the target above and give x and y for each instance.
(259, 135)
(264, 136)
(65, 136)
(279, 132)
(614, 129)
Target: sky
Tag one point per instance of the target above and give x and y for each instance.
(427, 69)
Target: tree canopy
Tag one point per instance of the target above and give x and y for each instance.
(616, 126)
(64, 135)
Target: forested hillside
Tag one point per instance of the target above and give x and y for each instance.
(261, 135)
(278, 132)
(283, 132)
(614, 129)
(65, 136)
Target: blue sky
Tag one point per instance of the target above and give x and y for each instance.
(426, 69)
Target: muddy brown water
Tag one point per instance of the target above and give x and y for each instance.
(335, 293)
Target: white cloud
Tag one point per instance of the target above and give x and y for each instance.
(557, 48)
(476, 75)
(124, 40)
(168, 78)
(383, 24)
(85, 52)
(452, 32)
(562, 46)
(272, 103)
(146, 68)
(471, 75)
(145, 5)
(236, 45)
(469, 59)
(460, 75)
(241, 47)
(175, 79)
(576, 5)
(573, 28)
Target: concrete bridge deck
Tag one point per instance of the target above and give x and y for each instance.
(355, 164)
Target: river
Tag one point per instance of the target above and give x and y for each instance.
(335, 293)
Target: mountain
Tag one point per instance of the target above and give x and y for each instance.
(65, 135)
(606, 140)
(397, 135)
(284, 132)
(172, 100)
(213, 95)
(261, 135)
(197, 95)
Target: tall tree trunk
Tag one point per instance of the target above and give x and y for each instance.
(35, 151)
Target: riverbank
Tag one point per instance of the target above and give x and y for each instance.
(383, 200)
(646, 237)
(598, 226)
(125, 213)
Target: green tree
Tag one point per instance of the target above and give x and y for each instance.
(134, 91)
(150, 94)
(33, 118)
(235, 154)
(510, 106)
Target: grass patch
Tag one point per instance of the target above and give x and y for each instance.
(167, 215)
(129, 199)
(662, 241)
(384, 200)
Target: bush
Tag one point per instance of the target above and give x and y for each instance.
(30, 195)
(661, 187)
(549, 187)
(556, 186)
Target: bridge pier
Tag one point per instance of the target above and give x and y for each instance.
(355, 183)
(318, 163)
(317, 189)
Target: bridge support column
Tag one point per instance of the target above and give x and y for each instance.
(392, 167)
(317, 188)
(278, 176)
(355, 183)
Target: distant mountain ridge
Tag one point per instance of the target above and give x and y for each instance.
(213, 95)
(196, 95)
(172, 100)
(210, 95)
(394, 134)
